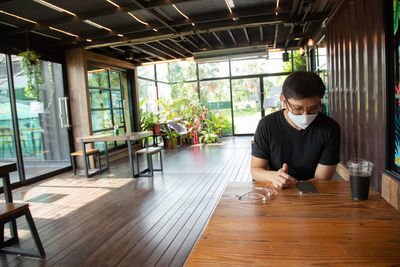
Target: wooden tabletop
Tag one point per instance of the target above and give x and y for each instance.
(7, 167)
(110, 137)
(295, 229)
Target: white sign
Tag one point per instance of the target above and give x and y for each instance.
(37, 107)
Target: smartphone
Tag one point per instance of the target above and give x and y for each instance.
(306, 187)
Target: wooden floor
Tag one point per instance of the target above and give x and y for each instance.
(111, 219)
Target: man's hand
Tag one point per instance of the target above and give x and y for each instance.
(281, 178)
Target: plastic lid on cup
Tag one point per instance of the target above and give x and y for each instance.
(360, 167)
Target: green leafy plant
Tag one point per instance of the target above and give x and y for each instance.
(208, 136)
(32, 67)
(173, 137)
(147, 119)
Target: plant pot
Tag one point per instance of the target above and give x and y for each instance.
(219, 133)
(157, 128)
(171, 144)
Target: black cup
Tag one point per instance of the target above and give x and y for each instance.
(360, 186)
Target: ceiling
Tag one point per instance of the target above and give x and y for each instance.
(143, 31)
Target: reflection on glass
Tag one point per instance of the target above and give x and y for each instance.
(99, 98)
(246, 105)
(214, 70)
(98, 78)
(101, 119)
(216, 96)
(272, 93)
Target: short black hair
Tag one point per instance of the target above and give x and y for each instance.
(303, 84)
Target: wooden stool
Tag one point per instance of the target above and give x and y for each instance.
(149, 152)
(89, 152)
(10, 212)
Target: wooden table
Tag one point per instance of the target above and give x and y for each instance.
(128, 137)
(5, 169)
(326, 228)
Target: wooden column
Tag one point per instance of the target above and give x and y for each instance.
(79, 95)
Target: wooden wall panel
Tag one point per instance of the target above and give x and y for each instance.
(357, 81)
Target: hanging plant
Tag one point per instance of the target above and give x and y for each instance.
(32, 67)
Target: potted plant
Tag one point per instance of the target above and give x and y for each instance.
(172, 137)
(32, 67)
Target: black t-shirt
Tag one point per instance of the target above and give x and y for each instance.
(278, 142)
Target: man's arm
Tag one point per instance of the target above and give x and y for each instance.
(324, 172)
(278, 178)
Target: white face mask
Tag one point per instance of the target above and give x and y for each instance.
(302, 121)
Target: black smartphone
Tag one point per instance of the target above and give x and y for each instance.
(306, 187)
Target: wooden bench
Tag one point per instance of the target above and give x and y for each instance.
(89, 152)
(149, 153)
(9, 212)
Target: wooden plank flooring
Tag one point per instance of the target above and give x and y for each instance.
(114, 220)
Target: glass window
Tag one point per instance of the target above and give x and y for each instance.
(164, 91)
(272, 93)
(216, 97)
(214, 70)
(115, 80)
(116, 99)
(101, 119)
(249, 66)
(107, 104)
(146, 72)
(147, 91)
(177, 71)
(98, 78)
(99, 98)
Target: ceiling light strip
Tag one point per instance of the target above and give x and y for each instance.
(18, 17)
(112, 3)
(227, 4)
(64, 32)
(97, 25)
(277, 7)
(46, 35)
(180, 11)
(54, 7)
(137, 19)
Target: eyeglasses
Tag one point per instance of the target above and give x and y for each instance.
(299, 111)
(257, 197)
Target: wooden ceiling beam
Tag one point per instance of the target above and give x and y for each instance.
(276, 35)
(92, 14)
(181, 46)
(147, 36)
(218, 39)
(233, 37)
(204, 40)
(247, 36)
(159, 50)
(148, 52)
(173, 50)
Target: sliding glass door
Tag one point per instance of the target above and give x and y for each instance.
(42, 146)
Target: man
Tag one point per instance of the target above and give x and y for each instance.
(298, 142)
